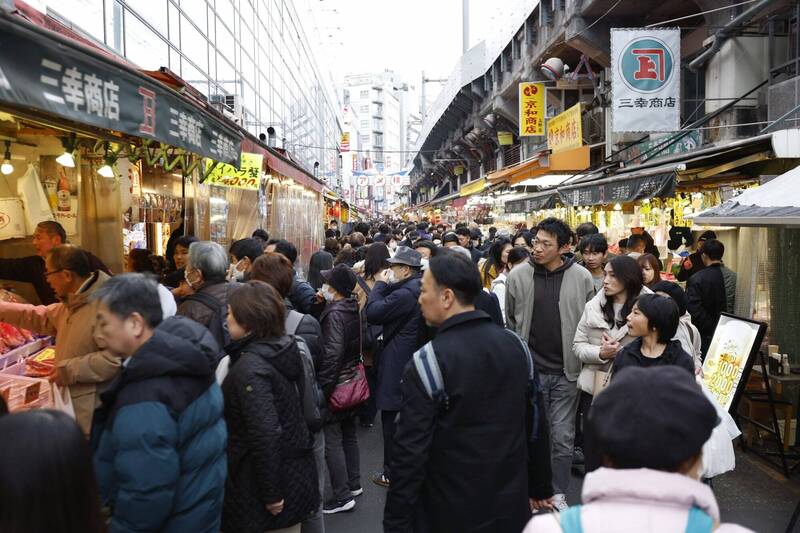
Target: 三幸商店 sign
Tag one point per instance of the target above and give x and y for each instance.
(41, 72)
(645, 79)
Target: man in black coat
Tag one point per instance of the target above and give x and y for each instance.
(706, 292)
(694, 263)
(476, 459)
(303, 296)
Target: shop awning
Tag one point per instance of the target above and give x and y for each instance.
(619, 189)
(474, 187)
(776, 203)
(44, 72)
(534, 202)
(576, 160)
(278, 163)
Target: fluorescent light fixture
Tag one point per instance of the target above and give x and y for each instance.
(106, 171)
(66, 160)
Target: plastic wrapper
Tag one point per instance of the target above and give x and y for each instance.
(718, 453)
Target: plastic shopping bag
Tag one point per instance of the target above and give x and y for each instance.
(222, 369)
(718, 454)
(34, 199)
(62, 400)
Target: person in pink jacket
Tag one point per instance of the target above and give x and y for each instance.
(650, 425)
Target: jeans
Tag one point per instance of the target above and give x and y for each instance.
(315, 523)
(341, 455)
(388, 421)
(584, 403)
(561, 402)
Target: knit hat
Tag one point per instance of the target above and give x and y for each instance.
(340, 278)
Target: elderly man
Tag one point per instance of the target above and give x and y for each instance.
(80, 363)
(206, 274)
(31, 269)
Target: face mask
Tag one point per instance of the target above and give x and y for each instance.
(390, 277)
(186, 278)
(393, 245)
(424, 263)
(326, 293)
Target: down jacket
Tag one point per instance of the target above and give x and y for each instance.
(270, 448)
(341, 350)
(589, 338)
(159, 436)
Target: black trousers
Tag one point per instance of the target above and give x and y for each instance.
(388, 419)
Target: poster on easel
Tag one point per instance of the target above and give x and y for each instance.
(730, 357)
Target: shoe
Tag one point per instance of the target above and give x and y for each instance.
(339, 507)
(560, 502)
(357, 492)
(381, 480)
(577, 456)
(367, 425)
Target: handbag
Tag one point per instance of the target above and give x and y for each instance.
(602, 377)
(354, 389)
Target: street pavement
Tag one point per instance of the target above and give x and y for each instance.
(754, 495)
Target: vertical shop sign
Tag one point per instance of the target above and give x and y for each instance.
(531, 109)
(564, 131)
(344, 146)
(645, 77)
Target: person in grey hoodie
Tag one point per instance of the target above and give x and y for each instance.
(545, 299)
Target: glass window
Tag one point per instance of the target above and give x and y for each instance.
(197, 78)
(114, 29)
(174, 25)
(225, 71)
(194, 45)
(364, 94)
(197, 11)
(152, 11)
(85, 14)
(143, 47)
(226, 45)
(225, 11)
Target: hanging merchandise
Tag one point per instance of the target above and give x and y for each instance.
(645, 82)
(12, 219)
(34, 199)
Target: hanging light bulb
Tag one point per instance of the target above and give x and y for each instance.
(617, 207)
(106, 171)
(7, 168)
(67, 159)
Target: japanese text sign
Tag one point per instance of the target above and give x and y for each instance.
(344, 146)
(645, 79)
(531, 109)
(247, 177)
(564, 131)
(39, 72)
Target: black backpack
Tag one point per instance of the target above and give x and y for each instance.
(217, 325)
(311, 395)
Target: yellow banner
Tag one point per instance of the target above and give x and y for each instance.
(564, 131)
(472, 188)
(531, 109)
(247, 177)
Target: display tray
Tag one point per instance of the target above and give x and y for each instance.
(22, 393)
(13, 362)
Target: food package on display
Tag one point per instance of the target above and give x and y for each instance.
(22, 393)
(12, 219)
(34, 199)
(11, 297)
(42, 364)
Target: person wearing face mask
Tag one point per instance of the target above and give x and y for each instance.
(243, 254)
(393, 304)
(649, 426)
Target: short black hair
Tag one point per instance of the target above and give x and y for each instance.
(330, 233)
(635, 240)
(72, 258)
(623, 243)
(674, 291)
(714, 249)
(453, 270)
(361, 227)
(285, 248)
(517, 254)
(384, 229)
(556, 227)
(261, 234)
(450, 237)
(464, 231)
(662, 315)
(593, 242)
(131, 293)
(251, 248)
(54, 229)
(587, 228)
(426, 244)
(186, 241)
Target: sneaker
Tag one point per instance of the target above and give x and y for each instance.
(339, 507)
(381, 480)
(560, 502)
(577, 456)
(357, 492)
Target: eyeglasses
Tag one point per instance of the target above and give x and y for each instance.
(48, 274)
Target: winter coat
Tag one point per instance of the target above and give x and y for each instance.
(488, 277)
(31, 270)
(311, 332)
(589, 338)
(200, 312)
(576, 290)
(499, 290)
(269, 448)
(631, 355)
(689, 337)
(707, 298)
(342, 342)
(303, 296)
(395, 307)
(638, 501)
(469, 467)
(83, 365)
(159, 437)
(690, 266)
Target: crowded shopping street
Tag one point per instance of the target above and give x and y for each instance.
(360, 266)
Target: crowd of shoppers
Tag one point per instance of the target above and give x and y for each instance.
(494, 363)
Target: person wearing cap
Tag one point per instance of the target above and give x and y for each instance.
(393, 304)
(687, 333)
(450, 240)
(341, 331)
(694, 263)
(649, 427)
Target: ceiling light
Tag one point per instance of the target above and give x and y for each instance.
(109, 160)
(66, 159)
(7, 168)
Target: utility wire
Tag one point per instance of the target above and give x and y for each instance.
(700, 13)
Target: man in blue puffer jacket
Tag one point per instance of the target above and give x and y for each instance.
(159, 436)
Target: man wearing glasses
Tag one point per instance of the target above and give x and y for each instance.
(80, 363)
(544, 303)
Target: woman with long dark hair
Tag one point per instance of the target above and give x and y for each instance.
(48, 476)
(523, 238)
(496, 262)
(320, 261)
(651, 269)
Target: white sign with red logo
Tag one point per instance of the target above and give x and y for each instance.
(645, 77)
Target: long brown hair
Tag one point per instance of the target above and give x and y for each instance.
(655, 264)
(629, 273)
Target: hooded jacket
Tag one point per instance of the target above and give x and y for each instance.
(159, 436)
(83, 366)
(269, 447)
(636, 501)
(576, 289)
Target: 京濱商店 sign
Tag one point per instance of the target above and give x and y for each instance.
(645, 80)
(531, 109)
(38, 71)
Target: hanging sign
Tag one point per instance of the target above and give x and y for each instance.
(505, 138)
(625, 190)
(344, 146)
(39, 72)
(564, 131)
(531, 109)
(247, 177)
(645, 78)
